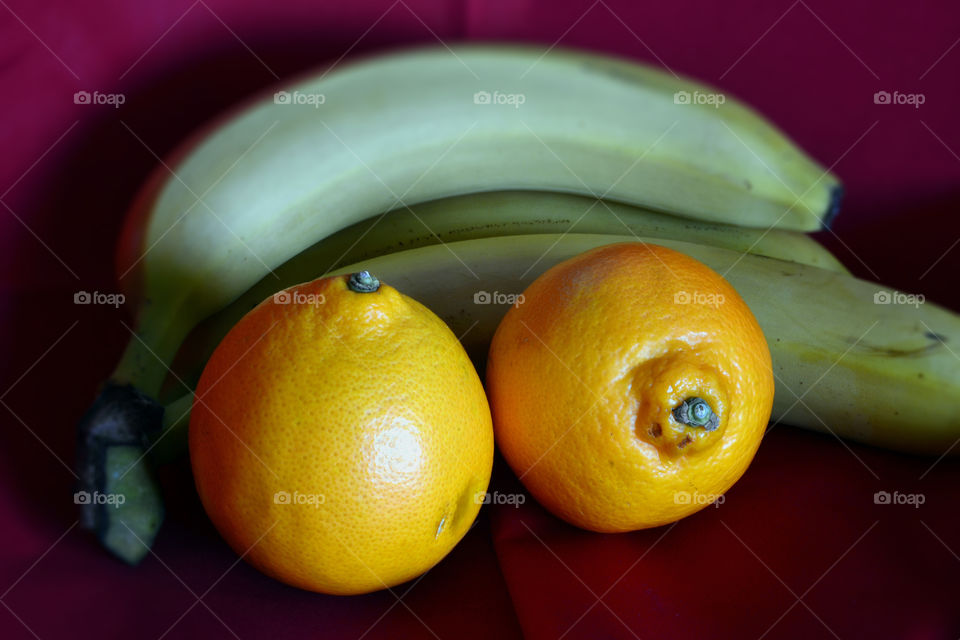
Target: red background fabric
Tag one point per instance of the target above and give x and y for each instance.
(798, 550)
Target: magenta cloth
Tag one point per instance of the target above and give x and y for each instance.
(798, 550)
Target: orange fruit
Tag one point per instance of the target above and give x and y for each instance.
(600, 380)
(341, 441)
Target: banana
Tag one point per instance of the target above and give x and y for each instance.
(497, 213)
(478, 215)
(329, 151)
(450, 219)
(396, 130)
(482, 215)
(882, 374)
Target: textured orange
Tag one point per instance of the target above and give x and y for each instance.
(583, 377)
(340, 441)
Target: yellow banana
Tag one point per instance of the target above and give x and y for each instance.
(850, 357)
(331, 150)
(499, 213)
(335, 149)
(483, 215)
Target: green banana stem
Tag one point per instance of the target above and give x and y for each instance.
(118, 495)
(145, 361)
(170, 443)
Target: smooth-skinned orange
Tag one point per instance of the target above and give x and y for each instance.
(630, 388)
(340, 438)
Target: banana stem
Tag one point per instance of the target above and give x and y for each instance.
(147, 357)
(171, 441)
(118, 495)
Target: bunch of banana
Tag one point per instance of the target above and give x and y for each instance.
(876, 373)
(448, 220)
(484, 215)
(881, 374)
(397, 130)
(295, 185)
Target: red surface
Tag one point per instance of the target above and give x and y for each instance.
(799, 549)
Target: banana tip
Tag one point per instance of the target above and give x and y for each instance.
(833, 209)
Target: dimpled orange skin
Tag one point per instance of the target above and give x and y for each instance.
(366, 407)
(584, 374)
